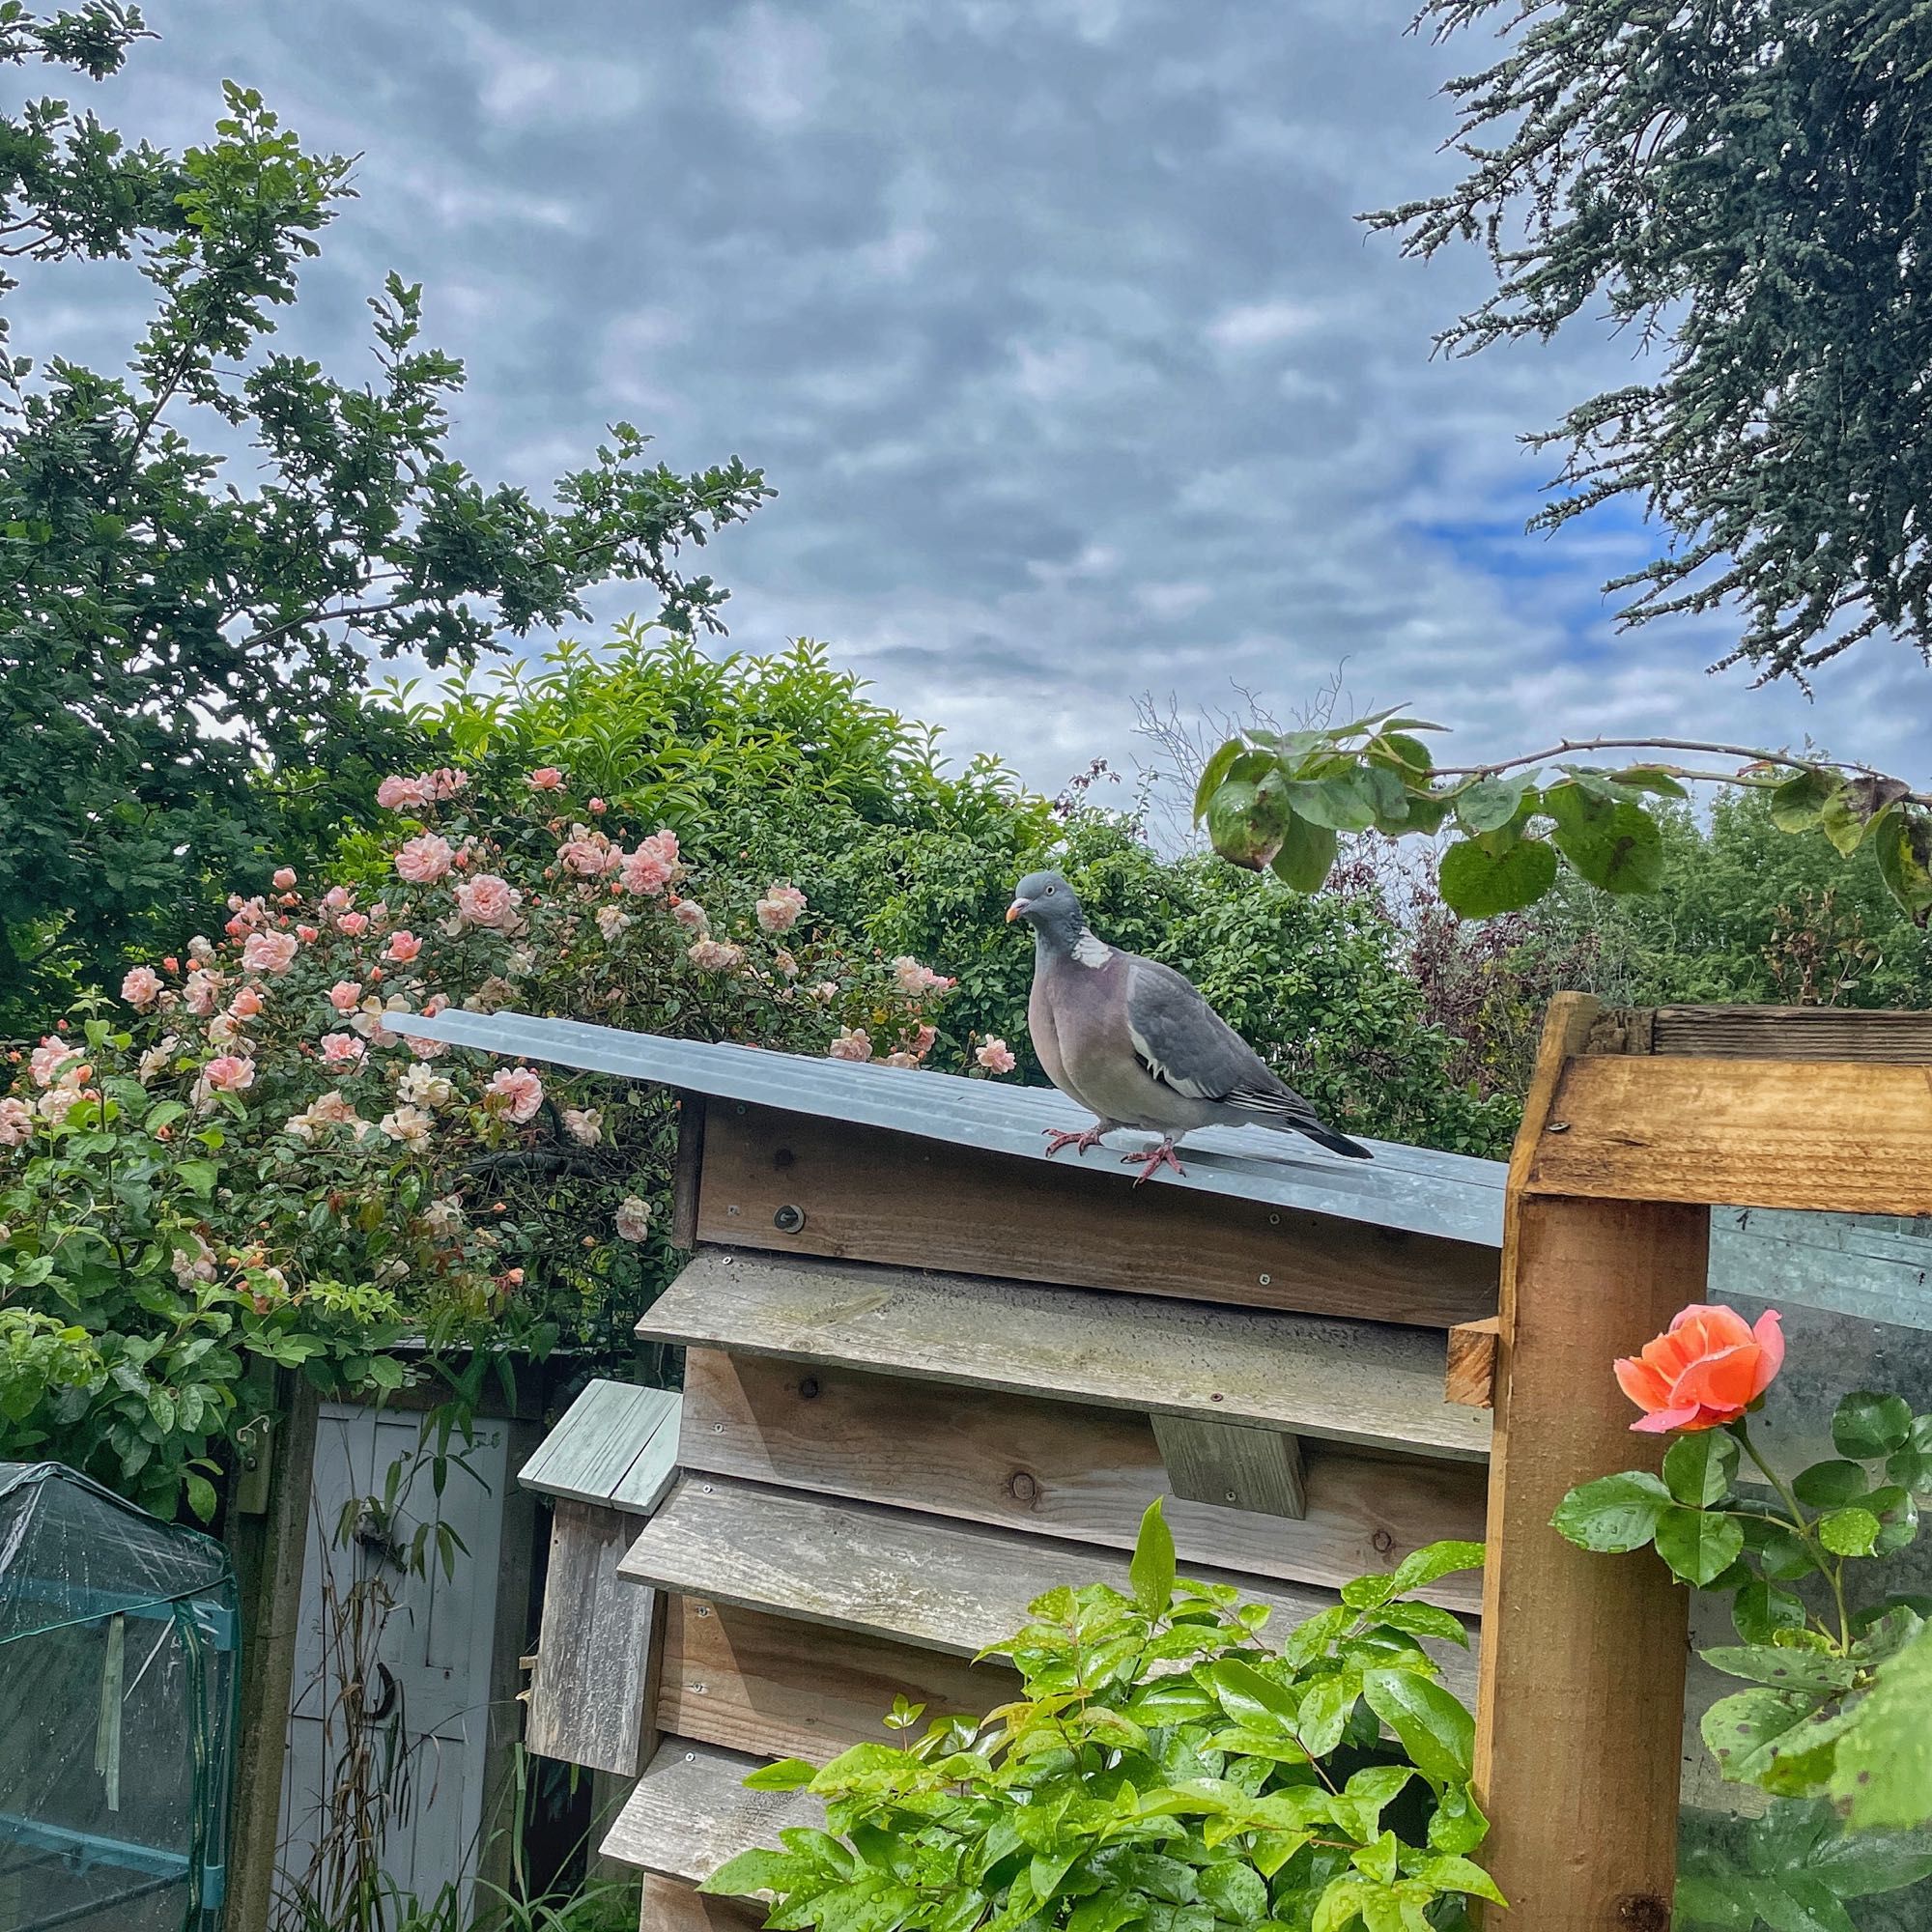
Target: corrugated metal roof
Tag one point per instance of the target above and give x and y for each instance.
(1412, 1188)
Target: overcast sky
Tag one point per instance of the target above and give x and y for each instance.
(1049, 319)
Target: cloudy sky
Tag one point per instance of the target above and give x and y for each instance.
(1048, 318)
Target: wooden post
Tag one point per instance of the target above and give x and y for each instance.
(1582, 1697)
(269, 1552)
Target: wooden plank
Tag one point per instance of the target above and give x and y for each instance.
(872, 1195)
(777, 1688)
(588, 1696)
(685, 1170)
(1471, 1374)
(670, 1905)
(269, 1552)
(649, 1480)
(690, 1812)
(1345, 1381)
(1255, 1469)
(599, 1439)
(1055, 1470)
(922, 1581)
(1834, 1136)
(1580, 1704)
(1791, 1033)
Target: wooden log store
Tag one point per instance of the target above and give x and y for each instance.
(930, 1374)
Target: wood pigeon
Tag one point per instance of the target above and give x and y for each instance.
(1135, 1041)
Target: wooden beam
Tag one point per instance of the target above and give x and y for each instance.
(1052, 1468)
(1470, 1377)
(1232, 1466)
(270, 1551)
(803, 1186)
(1362, 1382)
(1580, 1704)
(779, 1687)
(1833, 1136)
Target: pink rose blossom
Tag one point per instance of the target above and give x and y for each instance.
(51, 1057)
(914, 978)
(308, 934)
(353, 924)
(201, 993)
(634, 1218)
(403, 946)
(653, 865)
(590, 854)
(854, 1043)
(284, 880)
(583, 1124)
(400, 794)
(714, 955)
(597, 806)
(489, 901)
(521, 1089)
(779, 909)
(246, 1003)
(444, 783)
(901, 1058)
(692, 917)
(142, 986)
(424, 860)
(229, 1073)
(17, 1121)
(339, 898)
(342, 1049)
(921, 1041)
(345, 996)
(409, 1124)
(995, 1056)
(270, 951)
(546, 777)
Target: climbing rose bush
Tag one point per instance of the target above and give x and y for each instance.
(303, 1155)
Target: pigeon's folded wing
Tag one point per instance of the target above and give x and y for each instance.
(1185, 1045)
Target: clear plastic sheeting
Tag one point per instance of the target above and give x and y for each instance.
(117, 1681)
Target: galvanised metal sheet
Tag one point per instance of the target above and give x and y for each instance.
(1410, 1188)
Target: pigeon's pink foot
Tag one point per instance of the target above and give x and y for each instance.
(1162, 1156)
(1059, 1136)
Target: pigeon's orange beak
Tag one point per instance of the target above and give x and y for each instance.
(1017, 907)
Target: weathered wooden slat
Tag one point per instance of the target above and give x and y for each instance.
(670, 1905)
(1344, 1381)
(777, 1688)
(1791, 1032)
(589, 1685)
(1231, 1464)
(1831, 1135)
(945, 1587)
(1471, 1374)
(872, 1195)
(686, 1169)
(601, 1439)
(1056, 1469)
(690, 1812)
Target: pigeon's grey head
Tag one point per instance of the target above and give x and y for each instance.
(1047, 902)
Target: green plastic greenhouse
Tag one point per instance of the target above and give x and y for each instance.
(117, 1681)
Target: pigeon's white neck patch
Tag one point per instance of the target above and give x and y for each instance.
(1090, 951)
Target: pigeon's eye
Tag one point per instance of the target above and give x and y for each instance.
(1051, 890)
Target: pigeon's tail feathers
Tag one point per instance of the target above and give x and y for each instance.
(1286, 1111)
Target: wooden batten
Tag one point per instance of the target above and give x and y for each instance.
(777, 1688)
(1364, 1383)
(799, 1185)
(690, 1812)
(1230, 1466)
(1470, 1374)
(1833, 1136)
(590, 1683)
(671, 1905)
(1056, 1469)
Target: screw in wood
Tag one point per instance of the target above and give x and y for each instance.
(1024, 1488)
(808, 1389)
(1230, 1494)
(788, 1219)
(1267, 1281)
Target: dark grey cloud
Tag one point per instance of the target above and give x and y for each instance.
(1050, 320)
